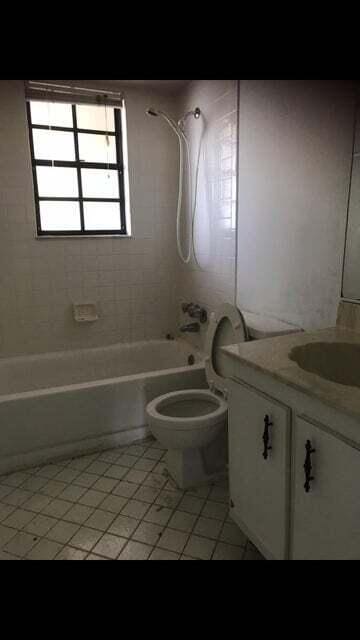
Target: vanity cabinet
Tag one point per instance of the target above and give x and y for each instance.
(325, 518)
(294, 482)
(259, 457)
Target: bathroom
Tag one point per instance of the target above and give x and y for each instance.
(136, 217)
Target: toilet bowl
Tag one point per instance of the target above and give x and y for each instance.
(186, 419)
(192, 423)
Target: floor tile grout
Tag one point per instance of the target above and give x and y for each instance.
(109, 462)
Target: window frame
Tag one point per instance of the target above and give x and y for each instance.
(78, 165)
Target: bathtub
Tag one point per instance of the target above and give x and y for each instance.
(65, 403)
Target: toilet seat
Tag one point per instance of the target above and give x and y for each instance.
(239, 334)
(173, 420)
(184, 433)
(191, 423)
(155, 409)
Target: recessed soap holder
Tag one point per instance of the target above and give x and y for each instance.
(85, 312)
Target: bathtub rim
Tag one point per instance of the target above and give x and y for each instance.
(81, 351)
(34, 393)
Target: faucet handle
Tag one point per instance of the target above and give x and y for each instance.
(186, 306)
(202, 315)
(194, 311)
(198, 312)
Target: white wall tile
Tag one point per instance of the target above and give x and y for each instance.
(213, 281)
(40, 279)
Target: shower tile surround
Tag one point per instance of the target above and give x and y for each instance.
(298, 125)
(96, 507)
(130, 279)
(138, 283)
(215, 222)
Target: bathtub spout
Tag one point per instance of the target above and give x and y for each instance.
(192, 327)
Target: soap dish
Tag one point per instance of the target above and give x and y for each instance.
(85, 312)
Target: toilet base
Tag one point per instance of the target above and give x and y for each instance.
(193, 467)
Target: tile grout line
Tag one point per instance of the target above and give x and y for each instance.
(112, 460)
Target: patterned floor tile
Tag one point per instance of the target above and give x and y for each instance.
(116, 504)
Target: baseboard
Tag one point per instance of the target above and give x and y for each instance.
(71, 449)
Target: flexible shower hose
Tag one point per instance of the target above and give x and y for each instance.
(182, 137)
(192, 207)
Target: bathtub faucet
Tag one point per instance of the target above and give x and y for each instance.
(194, 311)
(192, 327)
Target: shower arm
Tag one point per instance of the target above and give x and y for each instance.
(193, 112)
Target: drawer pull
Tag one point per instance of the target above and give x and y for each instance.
(307, 466)
(266, 437)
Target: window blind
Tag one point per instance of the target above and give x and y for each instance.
(52, 92)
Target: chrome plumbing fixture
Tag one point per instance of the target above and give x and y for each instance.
(194, 112)
(191, 327)
(195, 311)
(179, 127)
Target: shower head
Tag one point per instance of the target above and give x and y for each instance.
(152, 112)
(194, 112)
(169, 120)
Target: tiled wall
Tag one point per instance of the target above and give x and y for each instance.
(139, 282)
(211, 281)
(131, 279)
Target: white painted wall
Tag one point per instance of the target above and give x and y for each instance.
(130, 279)
(295, 146)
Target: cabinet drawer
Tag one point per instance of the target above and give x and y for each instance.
(259, 484)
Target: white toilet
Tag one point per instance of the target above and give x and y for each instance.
(192, 423)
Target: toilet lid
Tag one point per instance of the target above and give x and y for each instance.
(226, 326)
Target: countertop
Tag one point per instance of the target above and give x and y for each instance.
(271, 356)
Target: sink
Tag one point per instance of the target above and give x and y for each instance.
(335, 361)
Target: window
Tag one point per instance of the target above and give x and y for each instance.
(77, 163)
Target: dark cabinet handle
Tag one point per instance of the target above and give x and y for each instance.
(307, 465)
(266, 437)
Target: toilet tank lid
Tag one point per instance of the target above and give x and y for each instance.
(262, 326)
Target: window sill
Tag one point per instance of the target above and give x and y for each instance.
(84, 237)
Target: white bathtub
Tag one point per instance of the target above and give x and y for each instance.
(65, 403)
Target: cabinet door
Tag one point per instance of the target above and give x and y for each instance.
(326, 519)
(259, 486)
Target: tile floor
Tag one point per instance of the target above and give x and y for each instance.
(118, 504)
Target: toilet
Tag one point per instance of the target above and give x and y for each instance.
(192, 423)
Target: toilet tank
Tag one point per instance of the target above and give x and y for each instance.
(261, 326)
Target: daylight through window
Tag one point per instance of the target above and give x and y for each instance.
(77, 162)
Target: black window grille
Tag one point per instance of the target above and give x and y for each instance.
(81, 228)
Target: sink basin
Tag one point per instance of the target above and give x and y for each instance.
(335, 361)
